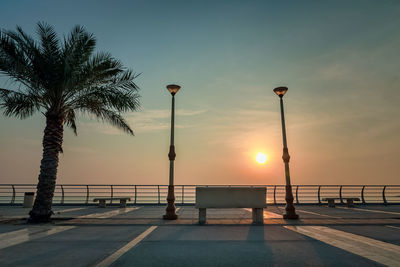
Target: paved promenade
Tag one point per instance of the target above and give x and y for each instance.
(137, 236)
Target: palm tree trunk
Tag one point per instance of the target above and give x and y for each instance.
(52, 146)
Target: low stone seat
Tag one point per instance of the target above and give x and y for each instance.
(102, 201)
(231, 197)
(349, 201)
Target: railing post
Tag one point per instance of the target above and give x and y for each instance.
(383, 195)
(362, 195)
(275, 194)
(297, 194)
(319, 194)
(13, 195)
(112, 193)
(183, 193)
(340, 194)
(62, 194)
(87, 194)
(158, 188)
(135, 194)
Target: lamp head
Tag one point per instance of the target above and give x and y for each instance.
(280, 91)
(173, 88)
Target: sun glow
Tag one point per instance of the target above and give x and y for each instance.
(261, 158)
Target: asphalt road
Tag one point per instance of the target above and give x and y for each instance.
(137, 236)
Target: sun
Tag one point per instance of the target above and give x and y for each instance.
(261, 158)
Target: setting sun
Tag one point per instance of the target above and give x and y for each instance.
(261, 158)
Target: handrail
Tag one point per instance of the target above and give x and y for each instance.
(183, 194)
(62, 194)
(135, 194)
(362, 195)
(112, 194)
(340, 194)
(319, 194)
(383, 195)
(158, 190)
(87, 194)
(155, 194)
(13, 195)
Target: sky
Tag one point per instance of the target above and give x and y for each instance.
(339, 59)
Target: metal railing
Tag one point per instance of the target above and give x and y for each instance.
(79, 194)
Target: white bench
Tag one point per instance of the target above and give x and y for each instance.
(102, 201)
(231, 197)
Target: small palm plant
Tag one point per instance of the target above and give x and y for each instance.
(61, 78)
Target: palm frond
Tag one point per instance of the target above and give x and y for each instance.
(65, 77)
(111, 117)
(70, 120)
(18, 104)
(48, 40)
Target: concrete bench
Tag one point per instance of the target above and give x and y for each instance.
(349, 201)
(102, 201)
(231, 197)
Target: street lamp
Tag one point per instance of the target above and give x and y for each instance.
(290, 210)
(170, 210)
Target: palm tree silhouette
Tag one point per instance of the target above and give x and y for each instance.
(60, 78)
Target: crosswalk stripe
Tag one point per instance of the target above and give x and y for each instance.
(376, 211)
(117, 254)
(34, 232)
(108, 214)
(391, 226)
(27, 234)
(69, 210)
(379, 251)
(319, 214)
(268, 214)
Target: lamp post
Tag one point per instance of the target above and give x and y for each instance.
(290, 210)
(170, 210)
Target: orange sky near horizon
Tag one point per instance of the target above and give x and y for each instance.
(339, 59)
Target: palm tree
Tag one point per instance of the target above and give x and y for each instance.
(60, 78)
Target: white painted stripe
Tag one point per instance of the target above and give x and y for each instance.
(69, 210)
(31, 233)
(381, 252)
(268, 214)
(319, 214)
(115, 256)
(391, 226)
(108, 214)
(377, 211)
(34, 232)
(272, 215)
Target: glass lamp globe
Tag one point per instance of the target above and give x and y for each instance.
(173, 88)
(280, 91)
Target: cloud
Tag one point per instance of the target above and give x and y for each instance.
(142, 121)
(158, 119)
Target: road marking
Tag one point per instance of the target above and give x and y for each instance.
(379, 251)
(34, 232)
(391, 226)
(69, 210)
(31, 233)
(319, 214)
(377, 211)
(268, 214)
(107, 214)
(117, 254)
